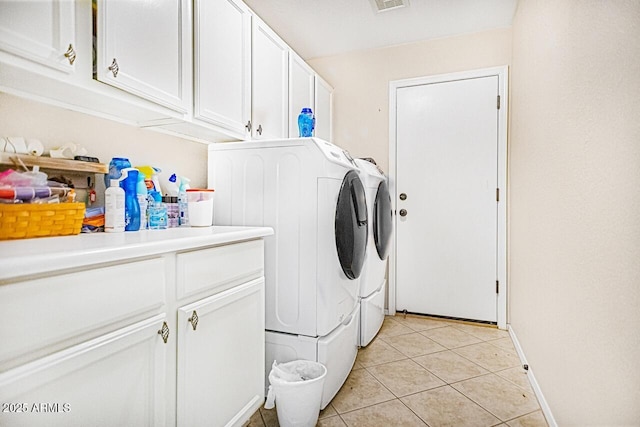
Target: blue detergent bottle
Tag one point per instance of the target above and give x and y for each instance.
(306, 122)
(129, 183)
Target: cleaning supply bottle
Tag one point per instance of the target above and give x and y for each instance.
(114, 208)
(115, 167)
(183, 202)
(141, 193)
(306, 122)
(129, 183)
(157, 211)
(150, 177)
(170, 186)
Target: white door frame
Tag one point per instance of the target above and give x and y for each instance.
(502, 73)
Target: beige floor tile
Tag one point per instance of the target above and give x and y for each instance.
(357, 365)
(483, 332)
(392, 413)
(489, 356)
(377, 352)
(498, 396)
(518, 376)
(535, 419)
(451, 367)
(505, 343)
(334, 421)
(391, 327)
(450, 337)
(255, 420)
(421, 323)
(413, 345)
(328, 411)
(444, 406)
(270, 417)
(360, 390)
(405, 377)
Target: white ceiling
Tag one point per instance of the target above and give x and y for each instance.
(315, 28)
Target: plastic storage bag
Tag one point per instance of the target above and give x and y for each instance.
(296, 389)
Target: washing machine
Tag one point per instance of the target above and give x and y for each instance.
(309, 191)
(373, 281)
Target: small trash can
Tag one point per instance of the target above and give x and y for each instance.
(296, 388)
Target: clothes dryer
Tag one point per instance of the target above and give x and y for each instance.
(309, 192)
(373, 280)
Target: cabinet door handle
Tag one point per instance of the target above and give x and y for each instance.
(248, 126)
(70, 54)
(114, 68)
(164, 332)
(193, 320)
(259, 130)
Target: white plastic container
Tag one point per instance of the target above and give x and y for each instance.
(200, 207)
(296, 388)
(114, 208)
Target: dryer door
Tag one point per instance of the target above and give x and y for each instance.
(351, 225)
(382, 220)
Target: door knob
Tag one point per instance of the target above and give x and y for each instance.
(403, 196)
(403, 212)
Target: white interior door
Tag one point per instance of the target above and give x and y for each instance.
(447, 137)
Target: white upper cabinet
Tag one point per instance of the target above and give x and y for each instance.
(301, 90)
(323, 109)
(222, 64)
(269, 86)
(42, 31)
(144, 47)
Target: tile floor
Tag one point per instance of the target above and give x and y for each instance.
(431, 372)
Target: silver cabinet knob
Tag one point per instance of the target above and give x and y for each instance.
(70, 54)
(248, 126)
(403, 212)
(259, 130)
(403, 196)
(114, 68)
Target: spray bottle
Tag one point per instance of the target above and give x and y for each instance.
(129, 183)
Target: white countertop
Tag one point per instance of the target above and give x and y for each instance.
(40, 255)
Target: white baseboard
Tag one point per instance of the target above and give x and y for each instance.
(546, 410)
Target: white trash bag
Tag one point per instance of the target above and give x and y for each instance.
(296, 388)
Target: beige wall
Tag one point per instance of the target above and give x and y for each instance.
(102, 138)
(575, 205)
(361, 82)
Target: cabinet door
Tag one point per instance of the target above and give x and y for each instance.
(144, 47)
(222, 49)
(221, 357)
(114, 380)
(301, 91)
(41, 31)
(269, 83)
(324, 109)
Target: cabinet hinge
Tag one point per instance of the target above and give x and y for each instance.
(498, 104)
(497, 287)
(497, 194)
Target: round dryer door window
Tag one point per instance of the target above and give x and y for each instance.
(382, 220)
(351, 225)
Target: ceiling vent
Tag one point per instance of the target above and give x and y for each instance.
(386, 5)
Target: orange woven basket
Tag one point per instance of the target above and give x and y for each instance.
(34, 220)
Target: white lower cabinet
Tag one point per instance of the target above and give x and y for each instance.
(115, 379)
(221, 357)
(173, 339)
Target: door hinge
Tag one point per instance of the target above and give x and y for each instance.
(497, 194)
(498, 104)
(497, 287)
